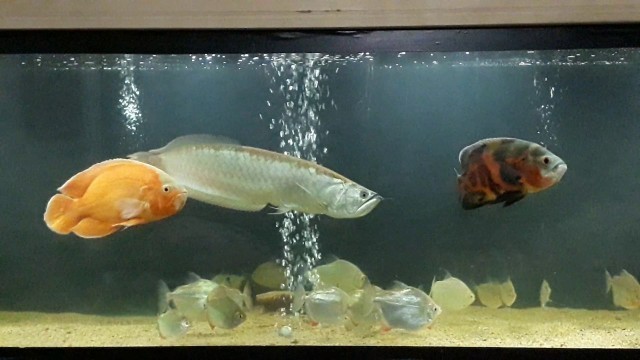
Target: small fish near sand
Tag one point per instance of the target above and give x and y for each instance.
(625, 289)
(489, 295)
(494, 294)
(113, 195)
(189, 299)
(269, 276)
(451, 293)
(220, 171)
(172, 325)
(545, 294)
(341, 274)
(201, 299)
(505, 170)
(406, 307)
(508, 293)
(327, 306)
(224, 308)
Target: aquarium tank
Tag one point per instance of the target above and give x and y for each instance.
(441, 188)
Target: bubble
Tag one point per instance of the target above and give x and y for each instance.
(303, 90)
(129, 102)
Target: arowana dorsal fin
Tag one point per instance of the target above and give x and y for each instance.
(195, 139)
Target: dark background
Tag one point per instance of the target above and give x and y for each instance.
(397, 127)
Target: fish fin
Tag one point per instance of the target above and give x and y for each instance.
(279, 210)
(398, 285)
(476, 148)
(509, 174)
(58, 215)
(329, 258)
(192, 277)
(146, 157)
(215, 197)
(91, 228)
(447, 274)
(367, 297)
(131, 222)
(432, 283)
(78, 184)
(298, 298)
(163, 302)
(510, 198)
(323, 205)
(131, 208)
(247, 296)
(474, 200)
(625, 273)
(196, 139)
(608, 281)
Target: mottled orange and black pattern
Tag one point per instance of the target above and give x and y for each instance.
(502, 170)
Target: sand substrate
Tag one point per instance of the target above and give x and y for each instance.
(475, 326)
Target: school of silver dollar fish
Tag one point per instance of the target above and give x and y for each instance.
(339, 294)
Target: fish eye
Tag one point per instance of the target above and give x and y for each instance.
(166, 188)
(546, 160)
(364, 195)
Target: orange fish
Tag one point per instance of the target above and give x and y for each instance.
(113, 195)
(505, 170)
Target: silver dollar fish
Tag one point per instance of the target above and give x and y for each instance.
(219, 171)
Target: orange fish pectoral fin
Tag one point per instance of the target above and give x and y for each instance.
(132, 222)
(131, 208)
(79, 183)
(510, 197)
(92, 228)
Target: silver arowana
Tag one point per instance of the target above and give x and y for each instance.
(219, 171)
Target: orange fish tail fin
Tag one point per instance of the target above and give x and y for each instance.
(58, 216)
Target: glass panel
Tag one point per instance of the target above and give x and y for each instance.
(393, 123)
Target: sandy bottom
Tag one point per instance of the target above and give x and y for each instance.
(475, 326)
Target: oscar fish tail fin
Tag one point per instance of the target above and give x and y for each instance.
(58, 215)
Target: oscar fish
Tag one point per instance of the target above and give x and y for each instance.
(113, 195)
(505, 170)
(221, 172)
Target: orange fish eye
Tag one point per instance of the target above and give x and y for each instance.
(166, 188)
